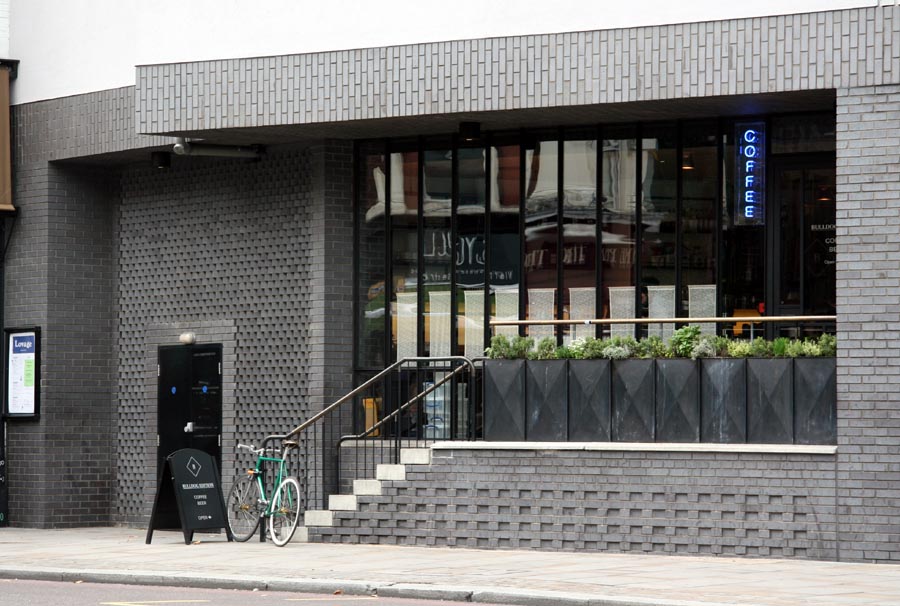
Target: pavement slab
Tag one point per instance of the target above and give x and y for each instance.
(526, 578)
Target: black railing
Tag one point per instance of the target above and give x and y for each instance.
(412, 403)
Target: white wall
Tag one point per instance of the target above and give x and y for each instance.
(69, 47)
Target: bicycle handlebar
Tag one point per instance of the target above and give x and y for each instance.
(255, 450)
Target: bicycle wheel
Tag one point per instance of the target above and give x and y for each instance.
(285, 512)
(244, 507)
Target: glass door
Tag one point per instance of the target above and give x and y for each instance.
(803, 231)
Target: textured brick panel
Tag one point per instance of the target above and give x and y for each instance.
(241, 253)
(677, 503)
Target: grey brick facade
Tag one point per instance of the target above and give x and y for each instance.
(113, 258)
(773, 505)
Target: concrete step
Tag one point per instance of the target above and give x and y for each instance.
(342, 502)
(367, 487)
(415, 456)
(318, 517)
(390, 472)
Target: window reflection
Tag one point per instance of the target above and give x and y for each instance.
(370, 260)
(404, 253)
(438, 255)
(504, 238)
(541, 230)
(659, 217)
(619, 227)
(470, 257)
(579, 235)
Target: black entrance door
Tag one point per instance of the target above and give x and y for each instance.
(802, 276)
(190, 400)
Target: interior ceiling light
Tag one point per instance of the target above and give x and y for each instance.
(824, 194)
(469, 131)
(687, 162)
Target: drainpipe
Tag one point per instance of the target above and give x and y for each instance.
(7, 72)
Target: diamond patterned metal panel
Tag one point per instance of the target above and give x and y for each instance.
(723, 398)
(815, 406)
(770, 414)
(504, 400)
(589, 400)
(677, 401)
(545, 402)
(633, 401)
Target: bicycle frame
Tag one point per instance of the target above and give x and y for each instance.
(259, 474)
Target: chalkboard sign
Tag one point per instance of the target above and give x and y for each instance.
(4, 491)
(189, 486)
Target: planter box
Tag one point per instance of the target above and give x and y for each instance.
(677, 400)
(633, 409)
(815, 405)
(504, 400)
(723, 400)
(770, 395)
(546, 401)
(589, 400)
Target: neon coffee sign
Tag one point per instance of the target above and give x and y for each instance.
(750, 173)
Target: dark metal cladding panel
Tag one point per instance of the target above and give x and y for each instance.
(545, 404)
(589, 400)
(723, 400)
(770, 411)
(504, 400)
(677, 401)
(815, 405)
(633, 402)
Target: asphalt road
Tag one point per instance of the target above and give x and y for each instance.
(42, 593)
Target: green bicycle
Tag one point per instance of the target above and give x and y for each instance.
(248, 502)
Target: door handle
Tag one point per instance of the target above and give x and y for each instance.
(189, 428)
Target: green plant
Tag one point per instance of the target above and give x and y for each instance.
(827, 345)
(545, 350)
(503, 349)
(567, 352)
(779, 347)
(721, 343)
(760, 348)
(705, 347)
(618, 348)
(520, 347)
(652, 347)
(592, 349)
(576, 347)
(499, 348)
(739, 349)
(684, 340)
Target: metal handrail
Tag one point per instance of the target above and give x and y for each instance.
(353, 393)
(708, 320)
(409, 403)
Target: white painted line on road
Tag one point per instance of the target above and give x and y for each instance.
(331, 597)
(147, 603)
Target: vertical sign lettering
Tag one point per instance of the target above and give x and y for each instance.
(750, 173)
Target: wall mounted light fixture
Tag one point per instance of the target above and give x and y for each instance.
(183, 147)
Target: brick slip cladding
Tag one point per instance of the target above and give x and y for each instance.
(772, 505)
(257, 244)
(868, 308)
(59, 276)
(855, 47)
(95, 123)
